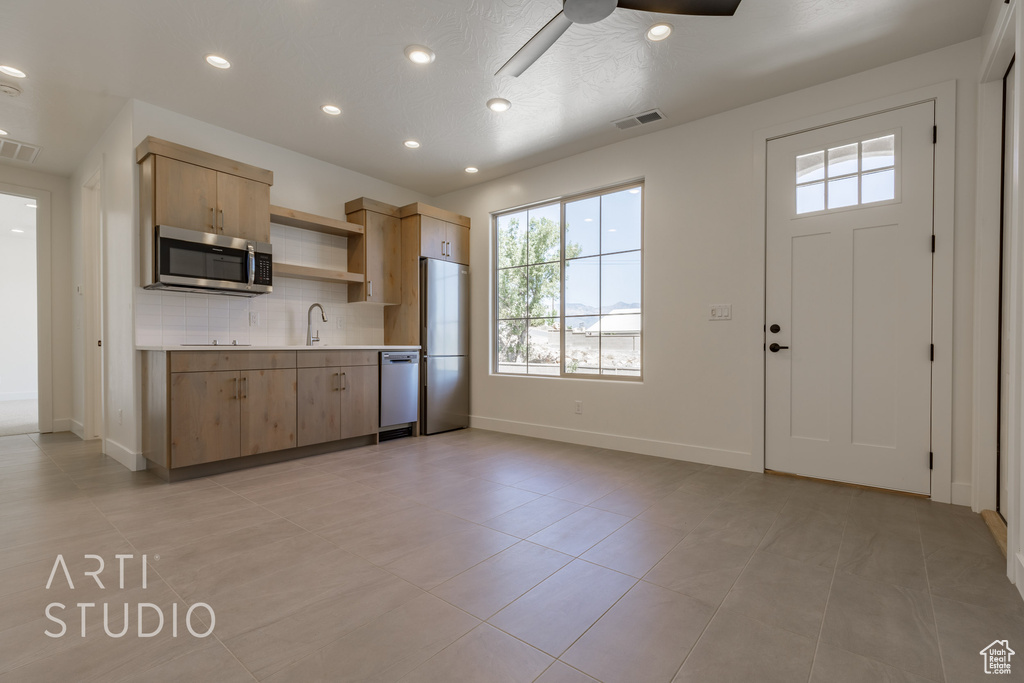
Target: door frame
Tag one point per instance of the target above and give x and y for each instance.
(44, 299)
(944, 97)
(93, 231)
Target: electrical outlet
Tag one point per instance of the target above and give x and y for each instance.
(720, 312)
(579, 407)
(339, 323)
(254, 319)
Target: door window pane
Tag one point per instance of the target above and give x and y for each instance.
(878, 153)
(810, 197)
(545, 233)
(842, 160)
(620, 282)
(583, 286)
(512, 293)
(810, 167)
(879, 186)
(583, 228)
(842, 192)
(620, 221)
(512, 240)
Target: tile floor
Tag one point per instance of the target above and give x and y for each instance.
(481, 557)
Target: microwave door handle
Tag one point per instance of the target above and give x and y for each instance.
(252, 265)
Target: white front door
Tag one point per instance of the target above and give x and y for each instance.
(849, 291)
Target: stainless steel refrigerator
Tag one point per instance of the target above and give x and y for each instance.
(444, 336)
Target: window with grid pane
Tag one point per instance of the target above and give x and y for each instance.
(568, 287)
(852, 174)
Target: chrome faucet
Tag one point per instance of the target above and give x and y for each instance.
(309, 324)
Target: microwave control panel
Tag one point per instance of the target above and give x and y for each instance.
(264, 270)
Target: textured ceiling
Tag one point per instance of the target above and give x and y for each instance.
(84, 59)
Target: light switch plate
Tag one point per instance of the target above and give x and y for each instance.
(720, 312)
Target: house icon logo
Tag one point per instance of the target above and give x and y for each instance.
(997, 657)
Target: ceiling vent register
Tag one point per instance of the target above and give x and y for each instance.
(639, 119)
(18, 151)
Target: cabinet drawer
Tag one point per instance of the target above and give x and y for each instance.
(210, 361)
(329, 358)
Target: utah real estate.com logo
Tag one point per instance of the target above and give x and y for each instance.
(997, 657)
(150, 617)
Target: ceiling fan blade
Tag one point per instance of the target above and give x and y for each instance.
(536, 46)
(707, 8)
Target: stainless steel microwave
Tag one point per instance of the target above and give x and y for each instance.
(193, 261)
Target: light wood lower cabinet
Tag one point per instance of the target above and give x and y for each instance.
(267, 410)
(205, 417)
(337, 403)
(360, 400)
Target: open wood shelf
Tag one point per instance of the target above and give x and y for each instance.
(308, 221)
(322, 274)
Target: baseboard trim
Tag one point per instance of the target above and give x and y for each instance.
(662, 449)
(78, 429)
(127, 457)
(62, 424)
(961, 493)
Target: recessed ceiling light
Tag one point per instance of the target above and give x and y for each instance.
(11, 71)
(419, 54)
(472, 169)
(2, 132)
(635, 190)
(412, 144)
(16, 230)
(499, 104)
(659, 32)
(218, 61)
(331, 109)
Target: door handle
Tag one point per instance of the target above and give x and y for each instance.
(775, 348)
(775, 329)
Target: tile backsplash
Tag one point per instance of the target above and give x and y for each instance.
(275, 319)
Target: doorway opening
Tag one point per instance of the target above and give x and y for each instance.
(19, 351)
(1006, 213)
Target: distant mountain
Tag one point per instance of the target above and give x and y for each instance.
(583, 309)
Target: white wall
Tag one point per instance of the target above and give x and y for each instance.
(58, 292)
(702, 237)
(300, 182)
(19, 378)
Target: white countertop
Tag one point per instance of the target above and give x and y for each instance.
(229, 347)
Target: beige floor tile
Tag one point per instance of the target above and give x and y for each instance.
(705, 570)
(643, 638)
(832, 665)
(491, 585)
(681, 510)
(563, 673)
(436, 562)
(528, 519)
(387, 648)
(210, 663)
(483, 654)
(635, 548)
(554, 614)
(580, 531)
(172, 533)
(349, 511)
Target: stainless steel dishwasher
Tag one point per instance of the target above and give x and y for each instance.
(399, 388)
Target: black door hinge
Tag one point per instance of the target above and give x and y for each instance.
(933, 352)
(933, 244)
(935, 134)
(931, 461)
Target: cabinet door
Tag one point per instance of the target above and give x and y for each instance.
(458, 243)
(268, 410)
(360, 401)
(205, 417)
(243, 208)
(186, 195)
(433, 237)
(383, 258)
(319, 405)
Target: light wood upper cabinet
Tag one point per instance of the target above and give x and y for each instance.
(205, 417)
(377, 253)
(433, 237)
(184, 195)
(268, 405)
(458, 243)
(243, 208)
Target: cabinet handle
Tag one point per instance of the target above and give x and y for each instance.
(236, 388)
(222, 220)
(337, 384)
(370, 283)
(344, 383)
(442, 247)
(213, 219)
(449, 250)
(245, 387)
